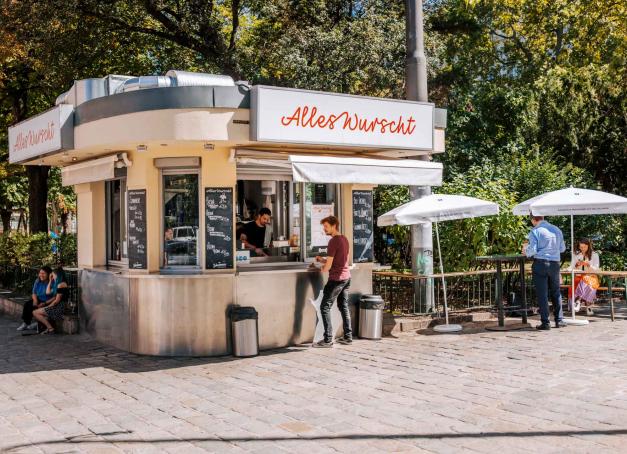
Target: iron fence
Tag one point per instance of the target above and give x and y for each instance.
(475, 290)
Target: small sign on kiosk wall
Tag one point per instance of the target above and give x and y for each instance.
(363, 228)
(219, 228)
(136, 218)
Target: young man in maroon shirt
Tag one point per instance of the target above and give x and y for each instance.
(336, 264)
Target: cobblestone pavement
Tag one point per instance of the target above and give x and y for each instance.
(525, 391)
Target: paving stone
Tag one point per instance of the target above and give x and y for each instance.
(561, 391)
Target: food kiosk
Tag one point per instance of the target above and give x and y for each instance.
(168, 169)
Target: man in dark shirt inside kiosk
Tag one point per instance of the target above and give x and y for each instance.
(336, 264)
(254, 233)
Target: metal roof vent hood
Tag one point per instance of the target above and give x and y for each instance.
(175, 78)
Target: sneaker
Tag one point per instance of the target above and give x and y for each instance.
(322, 344)
(544, 327)
(344, 340)
(32, 326)
(22, 327)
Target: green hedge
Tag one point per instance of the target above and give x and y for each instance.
(22, 250)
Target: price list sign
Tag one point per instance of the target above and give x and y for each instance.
(363, 230)
(136, 218)
(218, 228)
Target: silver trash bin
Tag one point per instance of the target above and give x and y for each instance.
(244, 332)
(371, 317)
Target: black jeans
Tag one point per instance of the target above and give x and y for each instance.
(546, 280)
(27, 312)
(333, 290)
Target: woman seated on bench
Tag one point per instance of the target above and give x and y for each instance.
(54, 310)
(586, 285)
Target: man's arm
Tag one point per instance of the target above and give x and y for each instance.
(327, 265)
(562, 245)
(532, 247)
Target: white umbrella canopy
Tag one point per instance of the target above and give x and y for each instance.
(435, 208)
(570, 202)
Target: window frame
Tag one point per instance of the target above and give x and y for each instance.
(163, 172)
(123, 262)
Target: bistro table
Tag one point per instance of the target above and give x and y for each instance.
(499, 260)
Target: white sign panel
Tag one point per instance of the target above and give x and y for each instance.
(318, 213)
(41, 135)
(308, 117)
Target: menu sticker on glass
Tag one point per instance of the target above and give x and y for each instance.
(218, 228)
(136, 220)
(363, 229)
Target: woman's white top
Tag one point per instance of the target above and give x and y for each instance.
(594, 262)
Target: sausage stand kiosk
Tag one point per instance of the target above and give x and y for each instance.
(167, 170)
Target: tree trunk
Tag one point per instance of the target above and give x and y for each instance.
(6, 220)
(37, 198)
(64, 224)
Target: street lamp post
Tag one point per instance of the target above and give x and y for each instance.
(416, 90)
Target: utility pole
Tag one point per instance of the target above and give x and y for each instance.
(416, 90)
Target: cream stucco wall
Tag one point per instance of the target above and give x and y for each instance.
(164, 126)
(90, 201)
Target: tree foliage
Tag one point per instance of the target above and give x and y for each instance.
(535, 90)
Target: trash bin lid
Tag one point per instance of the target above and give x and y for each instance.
(243, 313)
(371, 302)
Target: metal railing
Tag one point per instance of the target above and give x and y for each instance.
(476, 290)
(471, 290)
(19, 281)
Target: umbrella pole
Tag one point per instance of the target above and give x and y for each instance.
(446, 328)
(573, 320)
(437, 236)
(572, 266)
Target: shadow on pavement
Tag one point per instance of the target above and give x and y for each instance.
(35, 353)
(84, 440)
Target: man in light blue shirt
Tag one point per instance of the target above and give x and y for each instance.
(546, 242)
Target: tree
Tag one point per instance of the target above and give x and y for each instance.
(205, 27)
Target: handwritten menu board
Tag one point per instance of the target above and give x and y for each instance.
(363, 230)
(219, 228)
(136, 218)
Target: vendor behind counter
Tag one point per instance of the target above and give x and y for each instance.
(254, 235)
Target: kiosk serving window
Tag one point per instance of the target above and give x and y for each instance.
(115, 191)
(296, 210)
(180, 217)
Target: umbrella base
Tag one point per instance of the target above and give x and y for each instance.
(447, 328)
(576, 321)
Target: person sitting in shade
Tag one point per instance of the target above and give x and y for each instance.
(54, 310)
(586, 285)
(39, 298)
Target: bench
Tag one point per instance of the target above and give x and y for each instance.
(12, 305)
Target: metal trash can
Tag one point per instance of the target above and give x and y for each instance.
(371, 317)
(244, 332)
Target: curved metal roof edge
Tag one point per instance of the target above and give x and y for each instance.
(237, 97)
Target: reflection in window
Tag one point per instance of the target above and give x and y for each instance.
(116, 220)
(180, 219)
(320, 201)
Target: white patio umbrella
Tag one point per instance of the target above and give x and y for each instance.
(571, 202)
(436, 208)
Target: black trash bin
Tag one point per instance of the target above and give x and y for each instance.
(371, 317)
(244, 331)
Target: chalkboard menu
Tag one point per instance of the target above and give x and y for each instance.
(363, 231)
(136, 219)
(219, 228)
